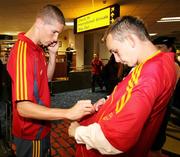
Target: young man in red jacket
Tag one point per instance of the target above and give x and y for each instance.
(30, 93)
(128, 121)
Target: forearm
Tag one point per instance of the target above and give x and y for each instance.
(93, 137)
(28, 109)
(35, 111)
(51, 66)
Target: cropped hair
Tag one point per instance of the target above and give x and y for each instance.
(51, 12)
(127, 25)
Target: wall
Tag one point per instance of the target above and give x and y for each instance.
(64, 41)
(100, 46)
(88, 48)
(71, 37)
(79, 45)
(85, 44)
(93, 44)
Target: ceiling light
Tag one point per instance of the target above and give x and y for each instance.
(152, 34)
(10, 33)
(169, 19)
(69, 23)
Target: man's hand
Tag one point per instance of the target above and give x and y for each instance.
(80, 109)
(99, 103)
(72, 128)
(53, 48)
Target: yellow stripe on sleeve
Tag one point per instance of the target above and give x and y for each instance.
(17, 71)
(21, 72)
(120, 103)
(131, 83)
(25, 73)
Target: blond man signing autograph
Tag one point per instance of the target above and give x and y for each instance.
(128, 121)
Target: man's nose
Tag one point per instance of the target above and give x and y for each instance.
(55, 37)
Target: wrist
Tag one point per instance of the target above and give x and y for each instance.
(67, 114)
(52, 54)
(52, 57)
(74, 133)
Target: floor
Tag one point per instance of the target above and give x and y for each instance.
(172, 139)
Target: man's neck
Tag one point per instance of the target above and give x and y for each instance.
(32, 34)
(148, 49)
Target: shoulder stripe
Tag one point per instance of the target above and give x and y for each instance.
(21, 72)
(127, 95)
(25, 72)
(17, 72)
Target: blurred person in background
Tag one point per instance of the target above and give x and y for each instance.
(69, 57)
(111, 74)
(5, 94)
(96, 70)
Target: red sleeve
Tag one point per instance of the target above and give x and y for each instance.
(21, 69)
(124, 128)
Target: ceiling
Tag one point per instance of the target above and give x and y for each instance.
(18, 15)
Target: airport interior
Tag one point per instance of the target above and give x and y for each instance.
(82, 40)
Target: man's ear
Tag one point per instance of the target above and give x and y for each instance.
(131, 40)
(39, 23)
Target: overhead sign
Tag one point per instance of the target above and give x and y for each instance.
(97, 19)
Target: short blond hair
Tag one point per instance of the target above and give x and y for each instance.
(127, 24)
(51, 12)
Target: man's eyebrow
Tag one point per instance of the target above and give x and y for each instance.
(110, 50)
(57, 31)
(113, 51)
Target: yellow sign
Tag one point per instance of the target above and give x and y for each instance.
(94, 20)
(98, 19)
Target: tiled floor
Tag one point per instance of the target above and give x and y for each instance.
(62, 144)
